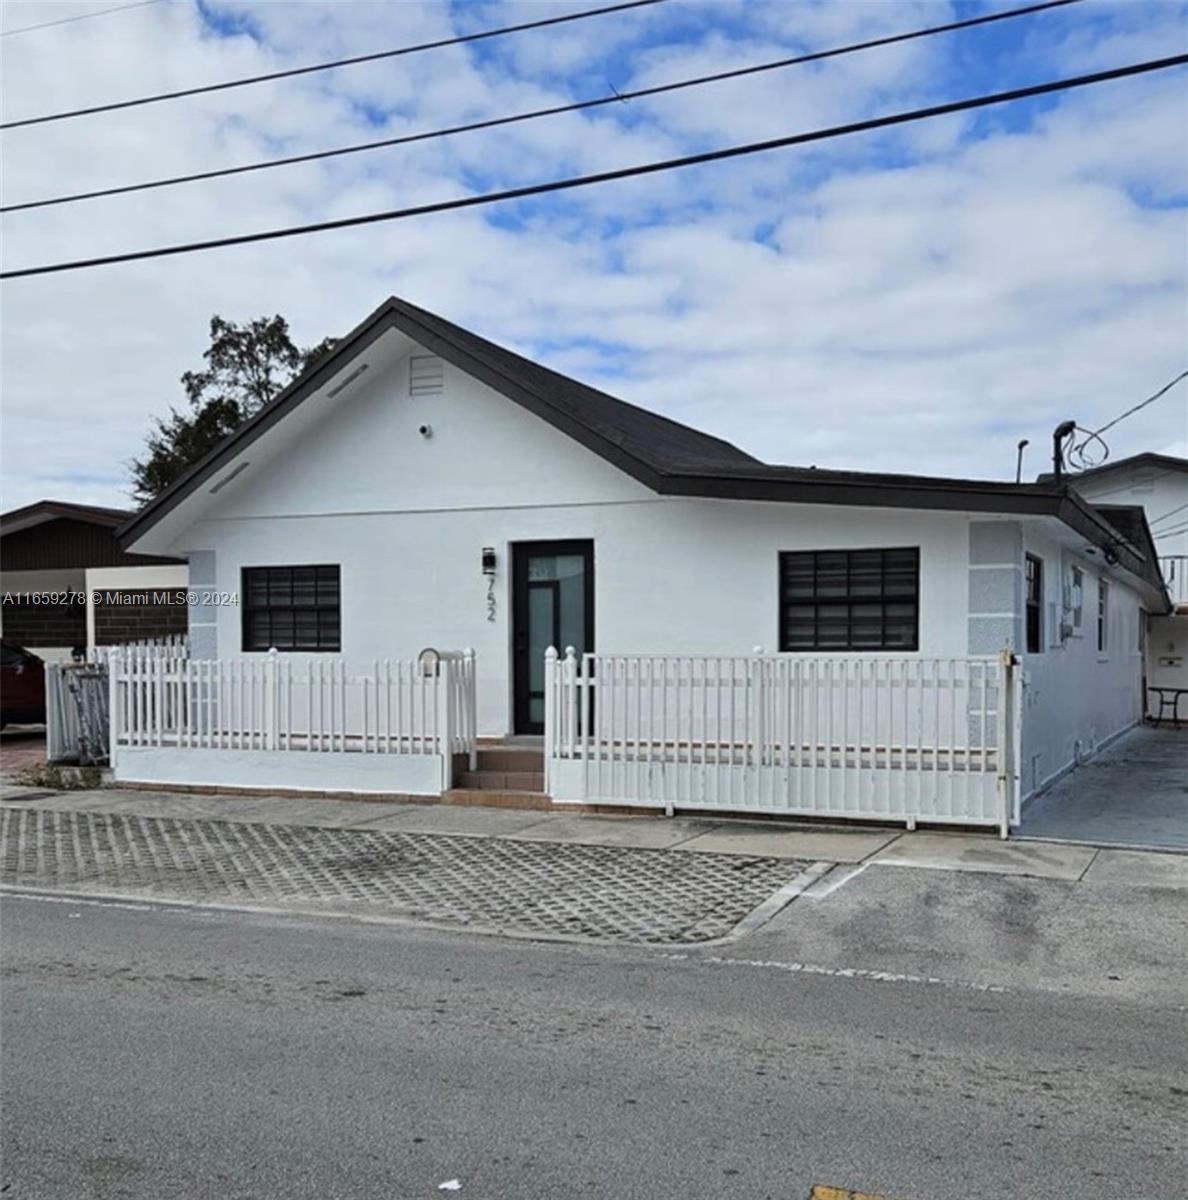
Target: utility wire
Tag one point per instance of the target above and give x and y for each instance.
(103, 12)
(1078, 452)
(398, 52)
(580, 181)
(577, 106)
(1167, 387)
(1171, 512)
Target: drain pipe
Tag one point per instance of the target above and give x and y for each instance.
(1063, 430)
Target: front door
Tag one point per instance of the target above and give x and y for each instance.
(552, 605)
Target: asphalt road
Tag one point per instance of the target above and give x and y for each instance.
(161, 1053)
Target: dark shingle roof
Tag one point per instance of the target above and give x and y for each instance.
(664, 455)
(1147, 458)
(664, 445)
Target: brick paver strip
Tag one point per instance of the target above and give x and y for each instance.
(604, 892)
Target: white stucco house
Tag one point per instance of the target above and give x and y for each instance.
(1158, 485)
(424, 487)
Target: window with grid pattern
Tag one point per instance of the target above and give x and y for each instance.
(291, 608)
(1034, 605)
(850, 599)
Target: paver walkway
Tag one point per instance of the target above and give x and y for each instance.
(656, 880)
(567, 890)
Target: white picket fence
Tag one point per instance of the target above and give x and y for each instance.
(314, 723)
(171, 647)
(896, 738)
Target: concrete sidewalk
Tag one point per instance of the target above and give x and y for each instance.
(965, 852)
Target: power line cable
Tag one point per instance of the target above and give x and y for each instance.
(1167, 387)
(1079, 452)
(580, 181)
(400, 51)
(103, 12)
(1171, 512)
(577, 106)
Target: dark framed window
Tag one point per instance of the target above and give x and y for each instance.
(1034, 607)
(291, 608)
(1103, 616)
(850, 599)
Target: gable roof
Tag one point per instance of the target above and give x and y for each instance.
(41, 511)
(1147, 458)
(644, 444)
(664, 455)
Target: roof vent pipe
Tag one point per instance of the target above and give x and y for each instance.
(1064, 430)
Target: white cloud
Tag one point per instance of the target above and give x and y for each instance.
(813, 305)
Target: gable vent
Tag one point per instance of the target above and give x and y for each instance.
(426, 375)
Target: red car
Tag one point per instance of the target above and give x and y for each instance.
(22, 686)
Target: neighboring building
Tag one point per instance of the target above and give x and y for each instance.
(68, 585)
(421, 486)
(1157, 485)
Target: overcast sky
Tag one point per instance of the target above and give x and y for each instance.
(916, 300)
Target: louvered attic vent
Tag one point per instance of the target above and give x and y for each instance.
(426, 375)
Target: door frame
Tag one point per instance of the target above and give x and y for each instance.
(521, 552)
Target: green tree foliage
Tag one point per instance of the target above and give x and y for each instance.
(246, 366)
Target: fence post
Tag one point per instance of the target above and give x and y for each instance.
(115, 710)
(470, 683)
(550, 714)
(1007, 732)
(759, 741)
(445, 738)
(272, 703)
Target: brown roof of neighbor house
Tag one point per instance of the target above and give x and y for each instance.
(49, 510)
(59, 534)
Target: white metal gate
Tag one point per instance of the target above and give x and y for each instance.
(891, 738)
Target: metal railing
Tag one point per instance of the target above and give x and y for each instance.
(894, 737)
(1174, 568)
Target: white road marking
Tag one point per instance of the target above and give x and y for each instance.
(76, 901)
(799, 968)
(829, 883)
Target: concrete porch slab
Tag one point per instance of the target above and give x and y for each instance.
(1137, 869)
(970, 852)
(455, 821)
(642, 833)
(827, 845)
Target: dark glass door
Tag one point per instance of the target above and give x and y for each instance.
(552, 605)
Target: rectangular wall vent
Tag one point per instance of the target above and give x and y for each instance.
(426, 375)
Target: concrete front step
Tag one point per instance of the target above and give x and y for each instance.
(489, 798)
(501, 781)
(518, 760)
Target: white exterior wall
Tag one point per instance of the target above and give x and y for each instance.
(1160, 492)
(1163, 494)
(1076, 698)
(407, 517)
